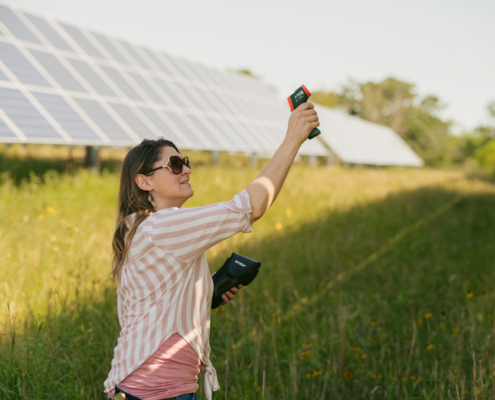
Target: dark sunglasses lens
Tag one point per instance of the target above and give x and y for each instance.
(186, 162)
(176, 164)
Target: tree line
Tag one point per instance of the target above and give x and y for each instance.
(395, 103)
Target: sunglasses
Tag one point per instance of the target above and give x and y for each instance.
(175, 164)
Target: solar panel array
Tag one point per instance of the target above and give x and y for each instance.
(64, 84)
(357, 141)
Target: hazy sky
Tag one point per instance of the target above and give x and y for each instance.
(444, 47)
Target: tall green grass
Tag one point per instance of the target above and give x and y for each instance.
(374, 284)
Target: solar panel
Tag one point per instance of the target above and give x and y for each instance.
(121, 82)
(58, 72)
(92, 77)
(24, 114)
(103, 120)
(65, 115)
(49, 33)
(18, 64)
(15, 26)
(65, 84)
(82, 41)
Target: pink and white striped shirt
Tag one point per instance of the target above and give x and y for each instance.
(166, 285)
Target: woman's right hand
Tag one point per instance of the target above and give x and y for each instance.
(301, 122)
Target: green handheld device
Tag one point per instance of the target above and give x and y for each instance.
(301, 95)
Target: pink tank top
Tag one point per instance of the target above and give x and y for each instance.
(170, 371)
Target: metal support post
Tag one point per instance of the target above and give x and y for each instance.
(215, 157)
(92, 159)
(254, 160)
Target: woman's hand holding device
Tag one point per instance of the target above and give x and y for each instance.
(229, 295)
(264, 189)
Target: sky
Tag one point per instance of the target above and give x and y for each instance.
(444, 47)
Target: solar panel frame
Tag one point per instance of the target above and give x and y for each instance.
(174, 96)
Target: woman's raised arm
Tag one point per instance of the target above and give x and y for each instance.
(264, 189)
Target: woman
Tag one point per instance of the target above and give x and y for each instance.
(164, 287)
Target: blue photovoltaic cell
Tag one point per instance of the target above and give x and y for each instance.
(157, 61)
(199, 98)
(3, 77)
(66, 116)
(120, 81)
(105, 122)
(20, 66)
(207, 98)
(184, 67)
(204, 130)
(27, 118)
(165, 130)
(57, 71)
(134, 54)
(82, 41)
(179, 123)
(188, 93)
(116, 54)
(227, 134)
(270, 135)
(134, 122)
(241, 131)
(51, 34)
(90, 75)
(16, 26)
(216, 77)
(5, 131)
(168, 90)
(176, 69)
(204, 77)
(147, 88)
(260, 137)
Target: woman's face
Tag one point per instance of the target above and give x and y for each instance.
(167, 188)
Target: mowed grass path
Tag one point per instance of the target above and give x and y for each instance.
(374, 284)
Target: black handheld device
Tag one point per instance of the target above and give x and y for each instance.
(237, 270)
(301, 95)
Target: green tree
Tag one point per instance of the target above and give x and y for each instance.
(395, 103)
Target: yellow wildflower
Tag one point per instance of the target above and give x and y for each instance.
(416, 378)
(51, 210)
(376, 376)
(470, 295)
(332, 371)
(455, 329)
(356, 348)
(307, 345)
(313, 374)
(430, 346)
(443, 327)
(373, 323)
(361, 356)
(278, 226)
(304, 354)
(347, 375)
(257, 389)
(428, 315)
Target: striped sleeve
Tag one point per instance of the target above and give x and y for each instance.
(189, 232)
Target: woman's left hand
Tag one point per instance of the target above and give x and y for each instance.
(229, 295)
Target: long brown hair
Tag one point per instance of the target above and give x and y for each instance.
(139, 160)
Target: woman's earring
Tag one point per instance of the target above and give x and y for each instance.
(150, 198)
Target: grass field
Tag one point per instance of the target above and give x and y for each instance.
(375, 284)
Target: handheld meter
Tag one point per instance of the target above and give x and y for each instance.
(301, 95)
